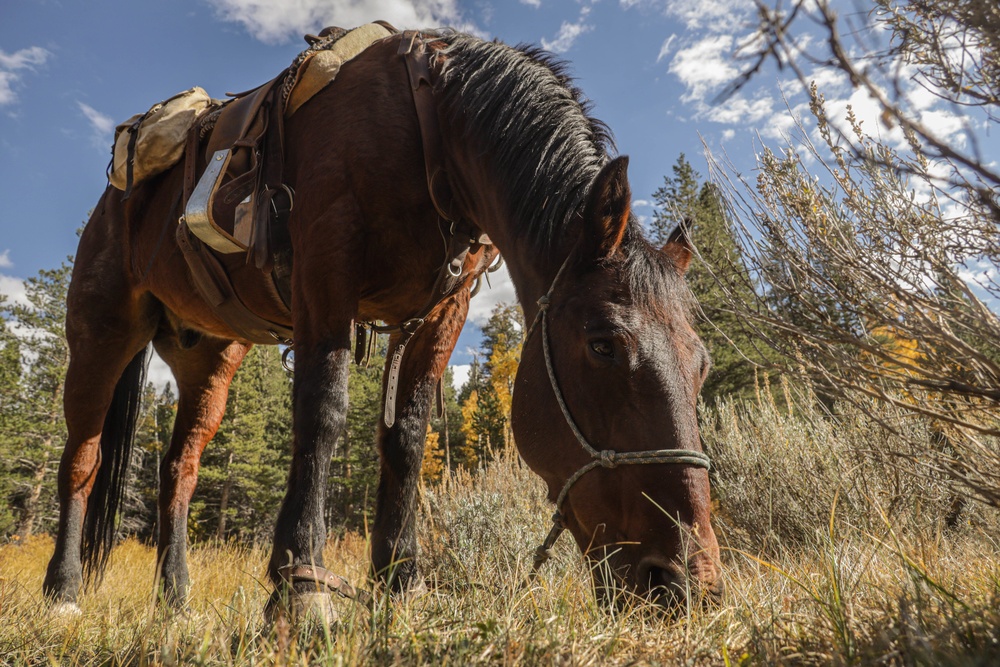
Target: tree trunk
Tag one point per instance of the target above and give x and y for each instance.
(348, 492)
(26, 525)
(224, 501)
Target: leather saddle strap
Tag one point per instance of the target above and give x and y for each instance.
(192, 152)
(133, 138)
(322, 577)
(392, 385)
(417, 59)
(212, 281)
(270, 186)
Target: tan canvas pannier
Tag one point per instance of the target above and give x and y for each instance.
(161, 133)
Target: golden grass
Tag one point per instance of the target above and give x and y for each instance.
(892, 591)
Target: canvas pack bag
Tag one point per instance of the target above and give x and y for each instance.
(156, 138)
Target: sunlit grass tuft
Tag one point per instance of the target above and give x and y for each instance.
(830, 556)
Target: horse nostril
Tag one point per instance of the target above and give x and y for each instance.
(671, 586)
(667, 585)
(661, 576)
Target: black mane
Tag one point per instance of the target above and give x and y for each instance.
(523, 107)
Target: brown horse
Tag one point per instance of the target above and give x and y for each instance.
(609, 377)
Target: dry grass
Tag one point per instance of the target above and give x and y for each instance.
(881, 582)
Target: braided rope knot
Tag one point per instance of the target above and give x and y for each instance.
(544, 301)
(609, 458)
(542, 555)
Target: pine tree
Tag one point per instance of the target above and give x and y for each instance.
(34, 339)
(10, 411)
(245, 467)
(354, 469)
(448, 424)
(735, 353)
(678, 197)
(487, 395)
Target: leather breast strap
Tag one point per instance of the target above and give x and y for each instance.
(462, 235)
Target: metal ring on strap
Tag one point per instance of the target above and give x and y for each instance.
(600, 458)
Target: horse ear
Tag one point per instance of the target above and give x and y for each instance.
(608, 206)
(678, 247)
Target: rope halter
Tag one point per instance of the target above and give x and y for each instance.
(606, 458)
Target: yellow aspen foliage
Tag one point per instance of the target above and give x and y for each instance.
(467, 454)
(503, 369)
(433, 464)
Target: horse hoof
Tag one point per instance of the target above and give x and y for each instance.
(415, 591)
(304, 608)
(66, 610)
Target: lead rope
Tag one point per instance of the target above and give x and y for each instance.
(607, 458)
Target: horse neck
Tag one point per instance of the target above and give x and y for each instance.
(532, 264)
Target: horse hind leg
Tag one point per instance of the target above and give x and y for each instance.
(101, 394)
(203, 371)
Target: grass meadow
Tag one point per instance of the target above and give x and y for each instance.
(835, 551)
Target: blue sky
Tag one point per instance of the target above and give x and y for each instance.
(70, 71)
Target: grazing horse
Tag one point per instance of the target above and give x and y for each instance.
(610, 370)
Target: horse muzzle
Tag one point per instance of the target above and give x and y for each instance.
(670, 586)
(676, 586)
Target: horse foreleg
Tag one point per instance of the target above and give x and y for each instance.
(203, 374)
(394, 537)
(320, 413)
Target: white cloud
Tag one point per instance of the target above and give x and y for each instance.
(499, 290)
(12, 63)
(711, 15)
(867, 112)
(737, 110)
(568, 34)
(781, 125)
(638, 203)
(5, 262)
(704, 66)
(828, 80)
(282, 21)
(946, 126)
(665, 47)
(533, 3)
(13, 289)
(159, 373)
(728, 134)
(460, 375)
(102, 127)
(980, 274)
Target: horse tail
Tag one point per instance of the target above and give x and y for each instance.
(117, 438)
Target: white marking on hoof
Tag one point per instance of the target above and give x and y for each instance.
(66, 610)
(314, 607)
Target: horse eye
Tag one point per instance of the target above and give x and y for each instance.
(603, 347)
(704, 366)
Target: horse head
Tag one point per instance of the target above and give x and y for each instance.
(604, 406)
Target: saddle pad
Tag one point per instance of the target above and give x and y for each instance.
(160, 136)
(322, 66)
